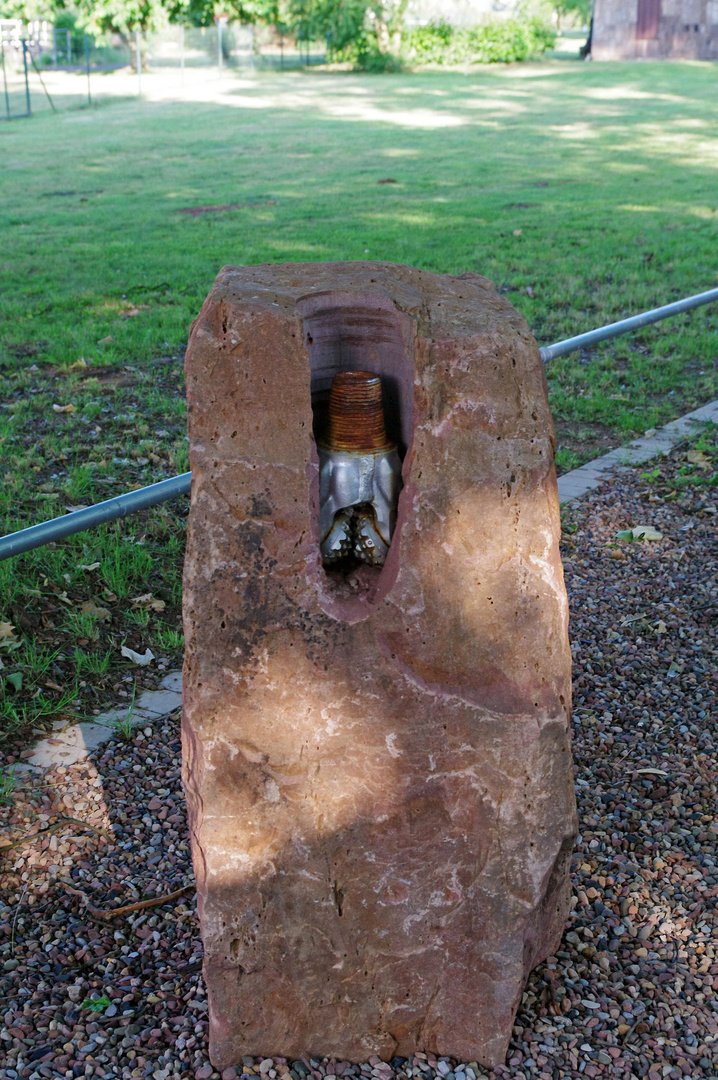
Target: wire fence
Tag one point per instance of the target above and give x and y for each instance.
(16, 85)
(231, 45)
(47, 68)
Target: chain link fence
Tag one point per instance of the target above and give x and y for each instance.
(45, 68)
(229, 45)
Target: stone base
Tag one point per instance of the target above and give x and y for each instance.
(377, 766)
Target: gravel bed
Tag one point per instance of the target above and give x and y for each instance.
(633, 990)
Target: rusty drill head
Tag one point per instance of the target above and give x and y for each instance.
(356, 414)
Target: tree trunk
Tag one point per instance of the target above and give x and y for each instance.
(389, 27)
(383, 40)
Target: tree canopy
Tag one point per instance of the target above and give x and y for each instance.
(572, 9)
(370, 32)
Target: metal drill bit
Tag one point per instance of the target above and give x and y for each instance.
(359, 473)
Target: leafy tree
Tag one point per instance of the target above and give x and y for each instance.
(368, 32)
(126, 16)
(574, 9)
(340, 22)
(202, 12)
(122, 16)
(28, 9)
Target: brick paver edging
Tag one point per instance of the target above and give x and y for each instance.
(574, 484)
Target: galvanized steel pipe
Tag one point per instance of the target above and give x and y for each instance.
(130, 503)
(624, 326)
(120, 506)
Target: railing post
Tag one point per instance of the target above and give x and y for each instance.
(4, 77)
(27, 80)
(87, 68)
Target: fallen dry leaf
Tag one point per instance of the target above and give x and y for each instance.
(147, 600)
(518, 232)
(89, 607)
(79, 365)
(697, 457)
(106, 340)
(90, 566)
(646, 532)
(63, 408)
(143, 659)
(8, 642)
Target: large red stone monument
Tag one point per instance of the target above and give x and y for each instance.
(376, 746)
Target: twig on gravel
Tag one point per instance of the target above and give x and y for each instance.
(628, 1034)
(98, 913)
(14, 921)
(52, 828)
(695, 911)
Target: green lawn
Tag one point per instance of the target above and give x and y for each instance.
(586, 192)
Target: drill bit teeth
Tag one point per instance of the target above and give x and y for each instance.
(338, 543)
(354, 532)
(370, 545)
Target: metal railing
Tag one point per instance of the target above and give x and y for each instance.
(624, 326)
(79, 520)
(130, 503)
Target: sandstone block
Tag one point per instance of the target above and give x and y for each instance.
(377, 762)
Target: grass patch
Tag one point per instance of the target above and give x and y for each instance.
(123, 724)
(585, 191)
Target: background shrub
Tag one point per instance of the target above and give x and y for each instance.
(498, 41)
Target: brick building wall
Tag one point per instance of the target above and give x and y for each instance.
(655, 30)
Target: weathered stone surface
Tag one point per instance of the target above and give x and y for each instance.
(655, 30)
(378, 768)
